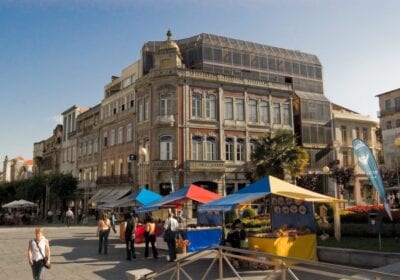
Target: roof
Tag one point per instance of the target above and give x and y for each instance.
(192, 192)
(311, 96)
(390, 91)
(264, 186)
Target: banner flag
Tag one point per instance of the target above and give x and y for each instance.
(367, 162)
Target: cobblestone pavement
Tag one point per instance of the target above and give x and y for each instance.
(74, 256)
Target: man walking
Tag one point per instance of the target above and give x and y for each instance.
(70, 216)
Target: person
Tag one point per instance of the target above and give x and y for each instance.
(69, 216)
(172, 224)
(112, 220)
(37, 250)
(235, 236)
(130, 229)
(150, 237)
(58, 212)
(79, 216)
(49, 216)
(179, 216)
(103, 230)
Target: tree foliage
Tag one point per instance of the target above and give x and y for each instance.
(310, 181)
(341, 174)
(277, 155)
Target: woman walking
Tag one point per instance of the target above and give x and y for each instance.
(103, 230)
(38, 253)
(130, 228)
(150, 237)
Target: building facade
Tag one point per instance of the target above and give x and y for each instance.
(349, 125)
(389, 119)
(69, 141)
(17, 169)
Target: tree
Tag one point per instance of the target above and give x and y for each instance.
(389, 177)
(342, 175)
(277, 155)
(310, 181)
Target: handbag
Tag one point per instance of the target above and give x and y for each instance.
(169, 234)
(45, 258)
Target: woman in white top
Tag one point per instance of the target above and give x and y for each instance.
(38, 248)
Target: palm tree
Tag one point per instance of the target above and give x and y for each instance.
(277, 155)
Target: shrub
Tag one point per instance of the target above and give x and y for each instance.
(249, 212)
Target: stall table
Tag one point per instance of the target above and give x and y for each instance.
(302, 247)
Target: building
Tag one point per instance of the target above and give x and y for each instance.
(389, 119)
(69, 141)
(88, 152)
(17, 169)
(47, 153)
(349, 125)
(203, 101)
(117, 121)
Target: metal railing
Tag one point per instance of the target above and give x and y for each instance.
(260, 265)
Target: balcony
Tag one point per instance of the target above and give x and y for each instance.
(389, 111)
(163, 165)
(165, 120)
(115, 180)
(205, 166)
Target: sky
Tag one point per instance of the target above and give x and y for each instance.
(56, 53)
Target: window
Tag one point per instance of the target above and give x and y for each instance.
(120, 166)
(264, 111)
(344, 134)
(146, 108)
(388, 124)
(276, 112)
(229, 188)
(112, 137)
(239, 107)
(112, 168)
(252, 146)
(364, 133)
(105, 168)
(358, 133)
(229, 149)
(252, 110)
(210, 106)
(165, 104)
(346, 158)
(129, 132)
(398, 123)
(141, 111)
(165, 147)
(211, 148)
(228, 108)
(197, 150)
(105, 139)
(120, 138)
(90, 149)
(240, 150)
(95, 145)
(387, 104)
(286, 114)
(196, 105)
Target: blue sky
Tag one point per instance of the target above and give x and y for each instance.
(54, 53)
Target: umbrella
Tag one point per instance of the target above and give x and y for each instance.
(19, 204)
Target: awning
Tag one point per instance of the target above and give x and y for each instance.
(260, 189)
(114, 195)
(192, 192)
(100, 194)
(143, 197)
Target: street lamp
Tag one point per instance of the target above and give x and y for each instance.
(397, 144)
(326, 170)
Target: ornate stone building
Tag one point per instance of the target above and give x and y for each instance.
(349, 125)
(47, 153)
(17, 169)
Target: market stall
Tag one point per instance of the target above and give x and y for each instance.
(290, 210)
(198, 238)
(141, 198)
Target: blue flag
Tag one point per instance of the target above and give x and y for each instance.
(366, 161)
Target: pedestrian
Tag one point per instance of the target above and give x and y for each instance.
(234, 238)
(38, 254)
(69, 216)
(150, 237)
(171, 225)
(130, 229)
(103, 230)
(49, 216)
(79, 216)
(112, 220)
(58, 212)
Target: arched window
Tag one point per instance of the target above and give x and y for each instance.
(197, 148)
(211, 148)
(229, 149)
(165, 147)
